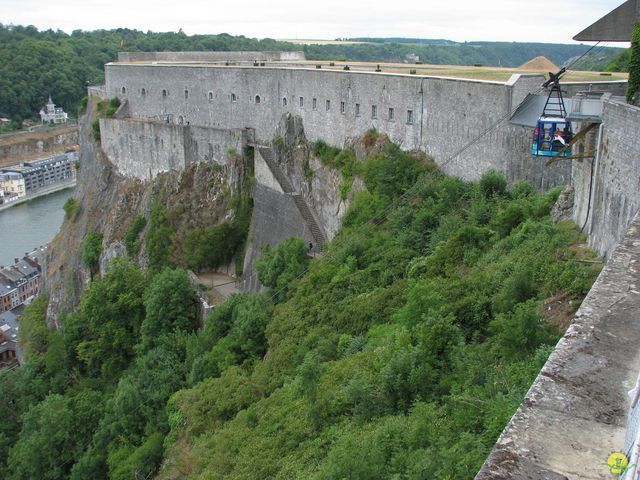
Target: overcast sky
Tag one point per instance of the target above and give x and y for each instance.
(546, 21)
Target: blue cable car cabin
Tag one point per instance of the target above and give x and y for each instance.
(551, 136)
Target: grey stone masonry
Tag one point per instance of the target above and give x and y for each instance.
(319, 238)
(608, 186)
(142, 149)
(435, 114)
(575, 413)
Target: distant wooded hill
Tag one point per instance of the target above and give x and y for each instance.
(441, 51)
(34, 64)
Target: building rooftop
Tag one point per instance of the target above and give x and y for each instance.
(9, 329)
(11, 274)
(26, 268)
(9, 318)
(6, 285)
(615, 26)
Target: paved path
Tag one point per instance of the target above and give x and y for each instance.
(223, 285)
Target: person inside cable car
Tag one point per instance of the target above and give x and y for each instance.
(558, 141)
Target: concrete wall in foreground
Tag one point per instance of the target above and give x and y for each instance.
(142, 149)
(575, 413)
(612, 196)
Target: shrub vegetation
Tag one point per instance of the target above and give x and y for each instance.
(401, 353)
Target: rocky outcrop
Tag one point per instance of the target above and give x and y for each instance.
(563, 208)
(109, 202)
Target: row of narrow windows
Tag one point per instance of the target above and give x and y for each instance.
(314, 104)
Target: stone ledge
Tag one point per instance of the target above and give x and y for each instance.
(575, 413)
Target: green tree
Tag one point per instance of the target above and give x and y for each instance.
(132, 240)
(71, 207)
(493, 183)
(520, 333)
(101, 336)
(634, 66)
(159, 239)
(277, 267)
(141, 462)
(91, 251)
(171, 306)
(53, 436)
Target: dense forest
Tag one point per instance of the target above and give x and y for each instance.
(34, 64)
(401, 353)
(505, 54)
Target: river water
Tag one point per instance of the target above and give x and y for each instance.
(28, 225)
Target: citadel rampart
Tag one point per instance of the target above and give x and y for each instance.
(434, 114)
(143, 149)
(437, 115)
(607, 187)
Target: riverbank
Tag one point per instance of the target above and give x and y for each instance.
(41, 192)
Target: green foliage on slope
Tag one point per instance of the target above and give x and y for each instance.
(634, 67)
(401, 353)
(91, 251)
(404, 356)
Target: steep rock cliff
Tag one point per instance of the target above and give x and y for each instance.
(109, 202)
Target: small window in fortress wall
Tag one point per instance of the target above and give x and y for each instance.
(315, 103)
(342, 108)
(301, 102)
(328, 105)
(257, 99)
(374, 111)
(186, 94)
(210, 96)
(284, 101)
(124, 90)
(357, 109)
(391, 114)
(410, 116)
(164, 94)
(233, 97)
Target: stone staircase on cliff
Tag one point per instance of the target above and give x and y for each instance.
(316, 232)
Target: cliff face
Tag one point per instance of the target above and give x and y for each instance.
(293, 194)
(202, 194)
(109, 202)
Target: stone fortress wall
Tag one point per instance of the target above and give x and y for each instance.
(142, 149)
(436, 115)
(183, 110)
(607, 187)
